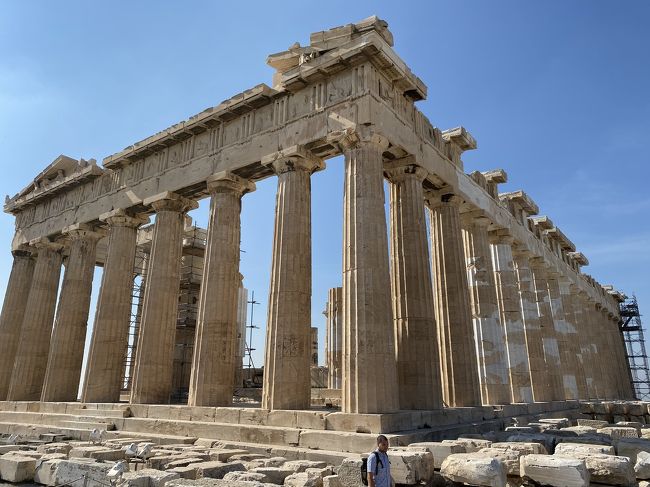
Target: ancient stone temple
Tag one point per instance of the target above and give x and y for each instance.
(466, 298)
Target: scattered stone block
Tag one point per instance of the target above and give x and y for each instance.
(557, 422)
(332, 481)
(301, 465)
(555, 471)
(216, 469)
(303, 479)
(15, 468)
(411, 466)
(184, 462)
(630, 447)
(617, 432)
(607, 469)
(71, 470)
(189, 472)
(245, 476)
(468, 468)
(520, 446)
(642, 466)
(274, 475)
(148, 477)
(223, 455)
(45, 473)
(510, 458)
(471, 444)
(55, 448)
(9, 448)
(349, 473)
(547, 441)
(440, 451)
(569, 449)
(592, 423)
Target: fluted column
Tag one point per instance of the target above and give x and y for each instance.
(488, 329)
(511, 317)
(34, 343)
(154, 359)
(213, 364)
(369, 368)
(287, 376)
(573, 352)
(109, 341)
(13, 312)
(334, 315)
(459, 372)
(416, 337)
(69, 334)
(549, 337)
(591, 349)
(534, 339)
(582, 343)
(620, 367)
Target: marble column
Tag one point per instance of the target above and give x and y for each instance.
(459, 369)
(549, 337)
(34, 343)
(511, 316)
(69, 334)
(573, 351)
(534, 338)
(334, 314)
(591, 349)
(287, 376)
(109, 340)
(214, 364)
(154, 359)
(488, 328)
(13, 312)
(416, 337)
(621, 368)
(582, 344)
(369, 368)
(567, 359)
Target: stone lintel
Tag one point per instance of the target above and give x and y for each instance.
(556, 234)
(226, 181)
(496, 176)
(460, 138)
(522, 200)
(579, 258)
(542, 222)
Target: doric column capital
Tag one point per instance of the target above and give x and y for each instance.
(351, 138)
(399, 170)
(520, 250)
(24, 251)
(83, 231)
(441, 198)
(475, 218)
(121, 218)
(501, 237)
(538, 263)
(169, 201)
(44, 243)
(228, 182)
(294, 158)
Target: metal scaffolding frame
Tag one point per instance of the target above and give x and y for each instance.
(635, 350)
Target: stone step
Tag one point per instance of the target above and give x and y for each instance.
(87, 425)
(102, 413)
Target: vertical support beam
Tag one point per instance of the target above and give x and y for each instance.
(369, 368)
(287, 376)
(13, 312)
(511, 317)
(152, 381)
(567, 359)
(568, 294)
(549, 337)
(213, 363)
(334, 315)
(460, 380)
(534, 338)
(416, 337)
(488, 329)
(34, 344)
(69, 334)
(110, 336)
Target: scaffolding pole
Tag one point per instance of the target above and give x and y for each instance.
(635, 350)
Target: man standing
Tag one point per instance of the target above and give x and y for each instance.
(378, 465)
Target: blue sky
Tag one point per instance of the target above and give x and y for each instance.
(556, 93)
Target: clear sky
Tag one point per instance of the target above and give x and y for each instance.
(556, 93)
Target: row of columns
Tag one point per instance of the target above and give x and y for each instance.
(483, 323)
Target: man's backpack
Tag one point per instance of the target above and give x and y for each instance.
(364, 467)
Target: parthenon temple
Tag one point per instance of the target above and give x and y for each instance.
(464, 299)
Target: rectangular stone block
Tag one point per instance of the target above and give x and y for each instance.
(630, 447)
(410, 467)
(15, 468)
(67, 471)
(607, 469)
(216, 470)
(555, 471)
(148, 478)
(473, 469)
(594, 423)
(569, 449)
(440, 451)
(471, 444)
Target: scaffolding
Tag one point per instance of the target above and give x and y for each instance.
(635, 351)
